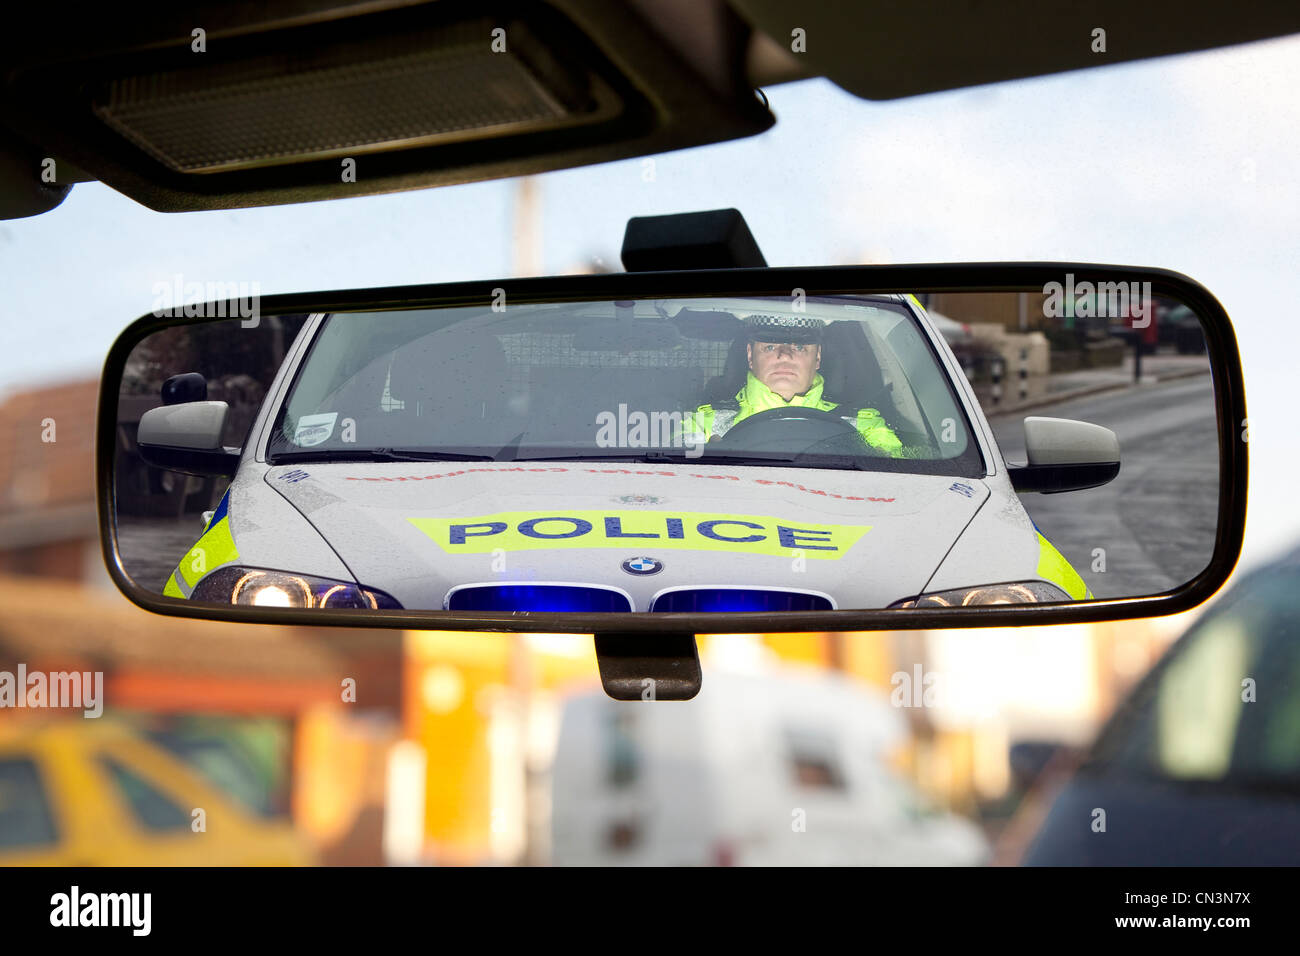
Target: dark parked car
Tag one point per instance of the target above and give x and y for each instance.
(1180, 328)
(1201, 764)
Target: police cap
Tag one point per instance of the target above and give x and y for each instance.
(784, 328)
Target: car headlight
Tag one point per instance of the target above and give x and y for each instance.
(257, 587)
(1021, 592)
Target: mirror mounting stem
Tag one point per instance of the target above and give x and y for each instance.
(648, 666)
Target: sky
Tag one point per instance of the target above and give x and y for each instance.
(1187, 163)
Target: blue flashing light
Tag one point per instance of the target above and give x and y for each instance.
(538, 598)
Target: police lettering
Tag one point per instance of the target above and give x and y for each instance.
(459, 532)
(529, 528)
(706, 528)
(804, 538)
(614, 529)
(729, 530)
(683, 531)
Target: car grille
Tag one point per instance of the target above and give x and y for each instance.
(704, 600)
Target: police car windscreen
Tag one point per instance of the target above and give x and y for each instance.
(840, 382)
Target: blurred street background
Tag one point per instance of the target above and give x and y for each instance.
(363, 747)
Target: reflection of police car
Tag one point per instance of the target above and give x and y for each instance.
(549, 457)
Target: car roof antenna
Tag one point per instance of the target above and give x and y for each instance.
(714, 239)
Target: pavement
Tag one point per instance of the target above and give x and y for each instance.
(1066, 386)
(152, 547)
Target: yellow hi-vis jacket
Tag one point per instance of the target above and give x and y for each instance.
(707, 422)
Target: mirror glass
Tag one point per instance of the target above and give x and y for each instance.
(675, 454)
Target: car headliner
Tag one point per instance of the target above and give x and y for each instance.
(712, 39)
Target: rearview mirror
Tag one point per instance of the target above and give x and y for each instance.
(666, 453)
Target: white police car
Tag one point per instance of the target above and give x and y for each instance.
(684, 454)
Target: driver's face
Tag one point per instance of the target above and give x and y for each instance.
(787, 369)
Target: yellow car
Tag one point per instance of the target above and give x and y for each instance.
(93, 793)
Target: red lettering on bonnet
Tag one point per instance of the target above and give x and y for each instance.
(625, 471)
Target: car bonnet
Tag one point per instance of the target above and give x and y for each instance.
(418, 530)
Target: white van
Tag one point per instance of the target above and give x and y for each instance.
(777, 769)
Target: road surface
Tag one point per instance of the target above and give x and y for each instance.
(1152, 528)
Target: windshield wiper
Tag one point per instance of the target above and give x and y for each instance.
(843, 463)
(837, 462)
(506, 453)
(375, 454)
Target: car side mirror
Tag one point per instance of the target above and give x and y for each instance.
(186, 437)
(1066, 455)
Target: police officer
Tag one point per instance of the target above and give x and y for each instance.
(784, 354)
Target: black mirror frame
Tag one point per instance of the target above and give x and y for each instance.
(1223, 354)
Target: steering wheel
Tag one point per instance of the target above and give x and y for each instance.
(794, 429)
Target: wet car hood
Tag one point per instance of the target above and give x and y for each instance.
(417, 530)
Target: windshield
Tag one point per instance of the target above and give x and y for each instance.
(832, 382)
